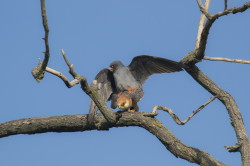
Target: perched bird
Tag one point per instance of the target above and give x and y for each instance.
(122, 85)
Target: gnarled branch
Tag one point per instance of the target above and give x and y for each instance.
(231, 106)
(174, 116)
(73, 123)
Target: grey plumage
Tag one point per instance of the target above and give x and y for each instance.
(105, 87)
(129, 79)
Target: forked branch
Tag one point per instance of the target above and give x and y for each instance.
(91, 91)
(200, 50)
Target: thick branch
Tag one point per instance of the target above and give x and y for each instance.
(39, 70)
(231, 106)
(226, 60)
(201, 23)
(73, 123)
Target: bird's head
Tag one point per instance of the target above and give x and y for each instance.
(114, 65)
(124, 103)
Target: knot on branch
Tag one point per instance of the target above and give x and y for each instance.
(234, 148)
(191, 58)
(37, 72)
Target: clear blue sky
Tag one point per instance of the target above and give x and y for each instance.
(95, 33)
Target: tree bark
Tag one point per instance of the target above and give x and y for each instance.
(74, 123)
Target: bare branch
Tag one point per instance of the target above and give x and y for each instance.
(75, 123)
(201, 23)
(226, 60)
(231, 106)
(174, 116)
(61, 76)
(199, 52)
(233, 10)
(71, 67)
(108, 114)
(38, 71)
(204, 9)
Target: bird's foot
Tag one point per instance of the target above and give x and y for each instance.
(131, 111)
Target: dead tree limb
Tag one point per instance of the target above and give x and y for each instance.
(108, 120)
(198, 54)
(174, 116)
(89, 90)
(232, 108)
(39, 70)
(74, 123)
(243, 144)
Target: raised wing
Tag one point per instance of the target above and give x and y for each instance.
(106, 86)
(143, 66)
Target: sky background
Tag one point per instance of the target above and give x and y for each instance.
(94, 33)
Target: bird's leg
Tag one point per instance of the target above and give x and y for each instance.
(134, 108)
(121, 111)
(131, 110)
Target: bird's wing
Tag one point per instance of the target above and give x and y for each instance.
(143, 66)
(105, 88)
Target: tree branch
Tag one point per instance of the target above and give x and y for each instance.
(200, 51)
(204, 9)
(231, 106)
(62, 77)
(39, 70)
(233, 10)
(90, 91)
(226, 60)
(74, 123)
(174, 116)
(201, 22)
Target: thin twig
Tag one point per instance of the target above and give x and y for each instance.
(174, 116)
(46, 37)
(233, 10)
(71, 67)
(201, 23)
(226, 60)
(38, 71)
